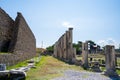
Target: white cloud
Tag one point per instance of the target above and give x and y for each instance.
(67, 24)
(101, 43)
(111, 41)
(108, 41)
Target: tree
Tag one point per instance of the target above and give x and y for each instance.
(93, 47)
(50, 48)
(119, 46)
(78, 47)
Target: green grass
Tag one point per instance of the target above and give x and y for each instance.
(49, 68)
(118, 72)
(20, 64)
(4, 53)
(94, 56)
(118, 61)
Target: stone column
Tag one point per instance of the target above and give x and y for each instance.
(0, 46)
(110, 60)
(116, 60)
(74, 52)
(58, 49)
(70, 44)
(62, 44)
(85, 54)
(55, 50)
(67, 45)
(64, 48)
(74, 55)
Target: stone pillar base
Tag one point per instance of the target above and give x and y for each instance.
(85, 66)
(74, 60)
(111, 73)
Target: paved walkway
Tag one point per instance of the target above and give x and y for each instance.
(76, 75)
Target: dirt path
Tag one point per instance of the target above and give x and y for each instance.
(76, 75)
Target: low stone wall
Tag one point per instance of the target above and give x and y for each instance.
(12, 59)
(118, 55)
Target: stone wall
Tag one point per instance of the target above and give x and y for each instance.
(17, 38)
(63, 48)
(6, 26)
(12, 59)
(23, 40)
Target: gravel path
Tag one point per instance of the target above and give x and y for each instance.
(76, 75)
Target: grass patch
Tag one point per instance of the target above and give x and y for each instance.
(49, 68)
(5, 53)
(118, 72)
(20, 64)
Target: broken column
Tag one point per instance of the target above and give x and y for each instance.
(85, 54)
(110, 61)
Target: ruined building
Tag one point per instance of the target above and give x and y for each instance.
(16, 37)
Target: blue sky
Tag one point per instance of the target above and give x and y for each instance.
(97, 20)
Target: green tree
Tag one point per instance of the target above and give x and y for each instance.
(78, 47)
(50, 48)
(93, 47)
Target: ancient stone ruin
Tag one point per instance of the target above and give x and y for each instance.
(85, 54)
(17, 38)
(63, 48)
(110, 60)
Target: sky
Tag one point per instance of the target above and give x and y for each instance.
(97, 20)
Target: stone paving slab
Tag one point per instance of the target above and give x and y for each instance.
(76, 75)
